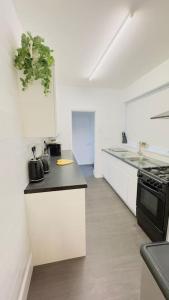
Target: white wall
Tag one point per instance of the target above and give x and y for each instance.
(158, 77)
(108, 117)
(14, 244)
(83, 137)
(139, 126)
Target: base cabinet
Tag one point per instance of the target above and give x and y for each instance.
(123, 179)
(56, 222)
(149, 288)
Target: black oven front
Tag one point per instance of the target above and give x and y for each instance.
(151, 208)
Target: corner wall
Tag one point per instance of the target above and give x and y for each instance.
(15, 256)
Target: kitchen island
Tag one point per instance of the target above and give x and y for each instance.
(56, 213)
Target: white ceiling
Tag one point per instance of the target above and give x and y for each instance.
(79, 30)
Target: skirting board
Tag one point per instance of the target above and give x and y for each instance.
(26, 280)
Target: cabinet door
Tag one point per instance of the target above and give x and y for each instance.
(123, 179)
(113, 172)
(38, 111)
(106, 166)
(118, 178)
(132, 190)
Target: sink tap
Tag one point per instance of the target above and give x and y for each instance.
(141, 146)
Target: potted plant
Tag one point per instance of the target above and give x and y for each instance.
(35, 60)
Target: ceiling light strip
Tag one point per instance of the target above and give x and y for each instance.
(109, 46)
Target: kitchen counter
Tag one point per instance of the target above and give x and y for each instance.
(125, 156)
(156, 257)
(60, 177)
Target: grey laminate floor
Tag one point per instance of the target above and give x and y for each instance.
(87, 170)
(112, 267)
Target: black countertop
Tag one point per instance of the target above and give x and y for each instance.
(156, 257)
(60, 177)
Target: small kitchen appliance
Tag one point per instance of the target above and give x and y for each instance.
(35, 168)
(124, 138)
(153, 202)
(45, 158)
(54, 149)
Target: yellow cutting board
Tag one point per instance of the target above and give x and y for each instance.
(63, 162)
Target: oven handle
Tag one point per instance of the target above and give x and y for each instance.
(148, 188)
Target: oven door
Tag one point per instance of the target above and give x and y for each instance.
(151, 203)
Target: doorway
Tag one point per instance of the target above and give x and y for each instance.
(83, 140)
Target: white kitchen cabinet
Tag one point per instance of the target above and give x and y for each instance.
(132, 189)
(118, 179)
(106, 166)
(38, 111)
(56, 222)
(123, 179)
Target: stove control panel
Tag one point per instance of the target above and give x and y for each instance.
(150, 181)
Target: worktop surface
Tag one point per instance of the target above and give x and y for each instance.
(138, 164)
(156, 257)
(60, 177)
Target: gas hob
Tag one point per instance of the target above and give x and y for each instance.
(160, 173)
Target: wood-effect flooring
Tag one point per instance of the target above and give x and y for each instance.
(112, 268)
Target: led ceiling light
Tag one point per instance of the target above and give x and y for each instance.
(109, 46)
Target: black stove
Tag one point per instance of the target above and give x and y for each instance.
(153, 201)
(159, 173)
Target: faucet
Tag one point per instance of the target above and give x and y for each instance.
(141, 146)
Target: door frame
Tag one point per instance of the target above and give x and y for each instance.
(85, 111)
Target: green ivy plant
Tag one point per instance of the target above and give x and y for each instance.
(35, 60)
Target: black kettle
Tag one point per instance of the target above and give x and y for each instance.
(35, 168)
(45, 158)
(46, 162)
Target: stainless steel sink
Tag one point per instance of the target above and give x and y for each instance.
(139, 159)
(117, 149)
(144, 161)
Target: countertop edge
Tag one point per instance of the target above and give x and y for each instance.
(55, 189)
(154, 268)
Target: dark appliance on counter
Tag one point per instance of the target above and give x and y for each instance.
(124, 138)
(54, 149)
(153, 202)
(45, 158)
(35, 168)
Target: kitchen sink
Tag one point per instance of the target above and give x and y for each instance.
(117, 150)
(139, 159)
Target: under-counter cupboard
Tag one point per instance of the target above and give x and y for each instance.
(56, 214)
(122, 177)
